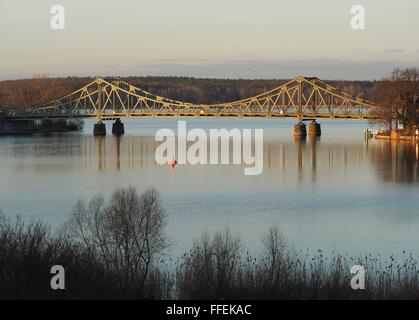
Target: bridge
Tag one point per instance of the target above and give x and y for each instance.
(302, 98)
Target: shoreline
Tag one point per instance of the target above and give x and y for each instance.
(397, 138)
(30, 132)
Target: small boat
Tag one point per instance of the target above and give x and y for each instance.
(173, 163)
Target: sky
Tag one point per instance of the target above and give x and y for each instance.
(211, 38)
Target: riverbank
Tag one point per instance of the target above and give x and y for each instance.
(398, 135)
(27, 127)
(217, 266)
(399, 138)
(29, 132)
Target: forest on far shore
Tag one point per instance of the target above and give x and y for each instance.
(40, 89)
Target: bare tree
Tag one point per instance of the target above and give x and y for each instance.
(212, 269)
(275, 248)
(398, 98)
(126, 234)
(390, 104)
(410, 96)
(46, 89)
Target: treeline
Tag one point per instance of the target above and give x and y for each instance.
(41, 89)
(116, 249)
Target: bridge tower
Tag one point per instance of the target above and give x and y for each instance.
(99, 128)
(314, 128)
(300, 130)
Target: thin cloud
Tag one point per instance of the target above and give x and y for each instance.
(360, 51)
(394, 51)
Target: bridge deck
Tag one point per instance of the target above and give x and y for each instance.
(136, 115)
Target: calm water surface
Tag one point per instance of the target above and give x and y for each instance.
(337, 193)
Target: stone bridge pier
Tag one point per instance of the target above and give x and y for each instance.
(314, 129)
(118, 128)
(99, 129)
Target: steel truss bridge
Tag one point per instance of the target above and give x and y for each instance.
(302, 98)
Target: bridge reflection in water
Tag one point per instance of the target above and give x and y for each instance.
(392, 162)
(298, 160)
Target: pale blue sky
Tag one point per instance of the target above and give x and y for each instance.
(211, 38)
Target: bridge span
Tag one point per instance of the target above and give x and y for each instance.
(302, 98)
